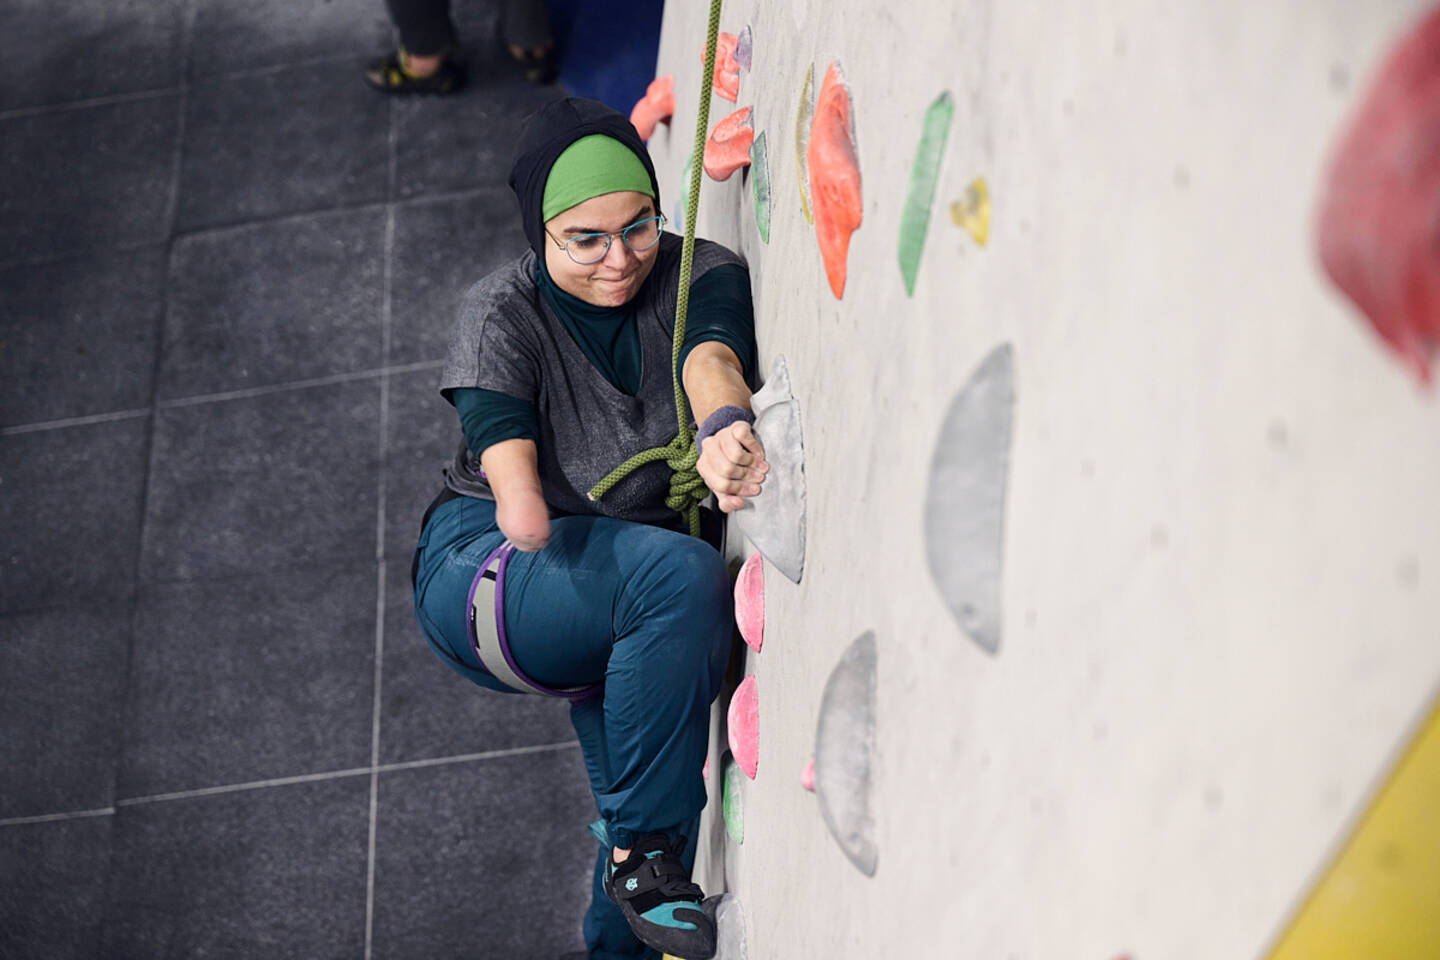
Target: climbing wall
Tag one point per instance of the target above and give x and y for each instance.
(1094, 597)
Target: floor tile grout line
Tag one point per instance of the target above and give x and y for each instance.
(67, 422)
(108, 100)
(123, 246)
(55, 817)
(222, 789)
(381, 444)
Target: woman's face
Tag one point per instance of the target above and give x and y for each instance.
(615, 278)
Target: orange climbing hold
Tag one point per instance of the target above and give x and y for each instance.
(834, 176)
(657, 106)
(1377, 229)
(727, 149)
(726, 83)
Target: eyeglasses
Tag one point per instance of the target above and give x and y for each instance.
(588, 248)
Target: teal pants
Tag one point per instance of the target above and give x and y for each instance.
(644, 609)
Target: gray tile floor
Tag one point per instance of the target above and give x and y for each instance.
(227, 274)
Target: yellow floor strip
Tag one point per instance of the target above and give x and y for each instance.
(1380, 899)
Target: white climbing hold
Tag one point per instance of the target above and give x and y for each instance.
(965, 503)
(845, 753)
(775, 519)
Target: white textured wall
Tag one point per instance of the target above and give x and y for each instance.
(1222, 541)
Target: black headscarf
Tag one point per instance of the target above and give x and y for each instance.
(546, 134)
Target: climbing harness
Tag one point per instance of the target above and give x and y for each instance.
(687, 488)
(487, 631)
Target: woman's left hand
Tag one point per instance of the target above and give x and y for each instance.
(732, 464)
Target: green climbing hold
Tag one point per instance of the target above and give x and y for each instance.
(684, 200)
(733, 802)
(760, 185)
(915, 220)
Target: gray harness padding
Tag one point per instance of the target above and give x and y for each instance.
(487, 632)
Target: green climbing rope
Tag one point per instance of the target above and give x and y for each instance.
(687, 488)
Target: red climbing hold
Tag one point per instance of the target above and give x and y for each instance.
(834, 176)
(1379, 224)
(726, 83)
(657, 106)
(727, 149)
(743, 724)
(750, 602)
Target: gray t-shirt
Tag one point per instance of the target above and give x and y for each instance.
(508, 340)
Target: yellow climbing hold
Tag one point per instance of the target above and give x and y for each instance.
(803, 115)
(1378, 899)
(973, 211)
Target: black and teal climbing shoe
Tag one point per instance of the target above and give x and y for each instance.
(663, 907)
(390, 75)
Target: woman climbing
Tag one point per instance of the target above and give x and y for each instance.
(562, 365)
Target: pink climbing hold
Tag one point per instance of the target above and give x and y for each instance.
(1377, 231)
(750, 602)
(744, 726)
(807, 776)
(705, 769)
(726, 83)
(657, 106)
(727, 149)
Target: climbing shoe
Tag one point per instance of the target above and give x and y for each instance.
(663, 907)
(390, 75)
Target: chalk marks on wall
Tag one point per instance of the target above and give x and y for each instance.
(727, 148)
(845, 753)
(775, 519)
(920, 197)
(834, 167)
(760, 185)
(965, 498)
(804, 113)
(1377, 231)
(750, 601)
(972, 211)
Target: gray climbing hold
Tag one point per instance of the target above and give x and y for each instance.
(775, 520)
(965, 504)
(845, 753)
(729, 927)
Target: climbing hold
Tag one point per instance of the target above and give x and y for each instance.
(1377, 231)
(729, 928)
(972, 211)
(732, 802)
(807, 776)
(965, 502)
(727, 149)
(775, 519)
(803, 115)
(657, 106)
(750, 602)
(834, 176)
(845, 752)
(743, 726)
(915, 220)
(745, 48)
(760, 185)
(705, 769)
(726, 81)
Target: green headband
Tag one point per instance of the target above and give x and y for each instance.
(590, 167)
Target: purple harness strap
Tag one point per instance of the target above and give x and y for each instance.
(490, 642)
